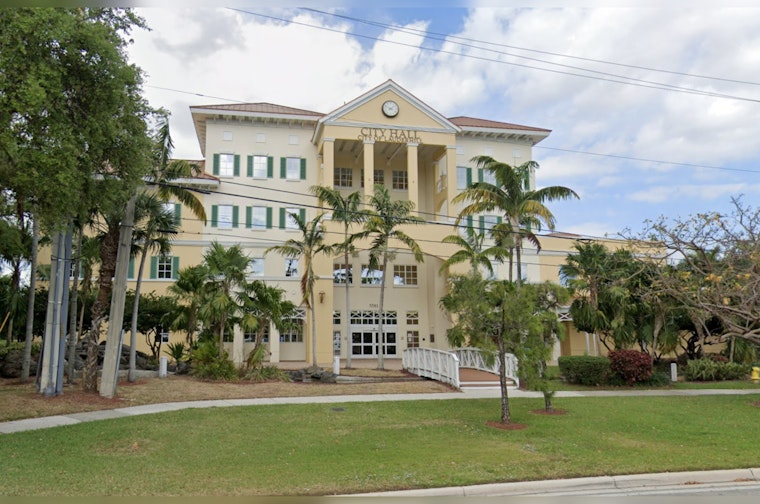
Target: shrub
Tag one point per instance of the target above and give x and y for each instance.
(710, 370)
(584, 369)
(267, 373)
(206, 364)
(631, 366)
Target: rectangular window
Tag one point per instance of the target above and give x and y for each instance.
(257, 266)
(412, 339)
(412, 318)
(464, 177)
(400, 179)
(259, 167)
(370, 276)
(404, 274)
(174, 209)
(343, 177)
(487, 222)
(164, 267)
(341, 274)
(258, 217)
(224, 216)
(292, 169)
(291, 267)
(487, 176)
(290, 222)
(226, 165)
(336, 317)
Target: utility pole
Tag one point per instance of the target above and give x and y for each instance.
(116, 317)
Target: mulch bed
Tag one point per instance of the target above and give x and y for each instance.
(507, 426)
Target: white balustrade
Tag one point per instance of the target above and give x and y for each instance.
(473, 358)
(431, 363)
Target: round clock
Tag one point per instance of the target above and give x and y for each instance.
(390, 108)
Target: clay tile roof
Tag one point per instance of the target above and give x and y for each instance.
(473, 122)
(261, 108)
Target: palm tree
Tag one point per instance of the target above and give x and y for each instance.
(267, 305)
(311, 244)
(227, 270)
(521, 206)
(189, 292)
(471, 250)
(345, 210)
(382, 226)
(155, 226)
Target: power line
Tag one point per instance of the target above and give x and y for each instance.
(630, 81)
(448, 37)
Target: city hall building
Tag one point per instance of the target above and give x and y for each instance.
(260, 162)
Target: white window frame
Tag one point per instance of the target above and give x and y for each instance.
(260, 166)
(224, 216)
(291, 267)
(226, 165)
(400, 180)
(461, 177)
(343, 177)
(290, 222)
(164, 267)
(405, 275)
(257, 266)
(293, 168)
(258, 221)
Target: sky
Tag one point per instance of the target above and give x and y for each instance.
(654, 111)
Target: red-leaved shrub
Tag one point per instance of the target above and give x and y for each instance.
(631, 366)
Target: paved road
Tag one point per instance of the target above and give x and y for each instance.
(740, 482)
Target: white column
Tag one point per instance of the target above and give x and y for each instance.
(412, 167)
(369, 168)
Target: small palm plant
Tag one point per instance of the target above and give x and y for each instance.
(177, 351)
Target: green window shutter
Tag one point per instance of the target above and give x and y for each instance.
(469, 221)
(235, 216)
(480, 175)
(282, 218)
(498, 220)
(469, 177)
(269, 217)
(236, 169)
(216, 164)
(270, 167)
(248, 217)
(283, 167)
(214, 215)
(302, 214)
(303, 168)
(175, 267)
(178, 214)
(153, 267)
(482, 223)
(250, 166)
(131, 268)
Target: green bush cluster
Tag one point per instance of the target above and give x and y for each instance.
(207, 365)
(631, 366)
(584, 369)
(712, 370)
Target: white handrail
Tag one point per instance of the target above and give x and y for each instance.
(431, 363)
(473, 358)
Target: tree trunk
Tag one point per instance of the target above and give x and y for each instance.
(73, 337)
(381, 336)
(26, 362)
(348, 306)
(313, 329)
(505, 416)
(132, 375)
(108, 252)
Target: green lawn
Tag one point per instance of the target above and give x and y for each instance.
(357, 447)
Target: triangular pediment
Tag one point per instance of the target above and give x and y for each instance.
(407, 112)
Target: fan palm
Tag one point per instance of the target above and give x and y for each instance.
(311, 244)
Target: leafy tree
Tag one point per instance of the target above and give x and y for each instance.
(501, 317)
(523, 208)
(346, 211)
(311, 244)
(227, 271)
(151, 319)
(266, 304)
(383, 226)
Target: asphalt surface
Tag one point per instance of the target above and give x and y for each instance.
(746, 480)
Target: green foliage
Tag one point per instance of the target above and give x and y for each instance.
(631, 366)
(711, 370)
(176, 350)
(584, 369)
(207, 363)
(266, 374)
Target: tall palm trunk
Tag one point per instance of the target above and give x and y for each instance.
(349, 345)
(26, 362)
(313, 328)
(132, 375)
(381, 335)
(108, 253)
(73, 336)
